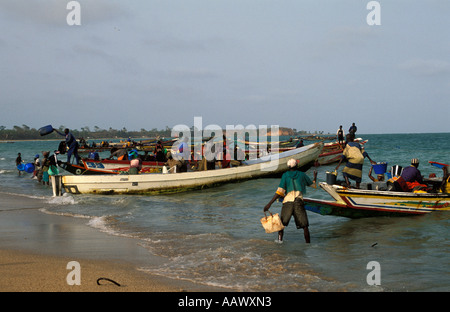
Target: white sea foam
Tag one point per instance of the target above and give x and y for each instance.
(66, 199)
(99, 223)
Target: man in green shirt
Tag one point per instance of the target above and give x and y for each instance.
(292, 187)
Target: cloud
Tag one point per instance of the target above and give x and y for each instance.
(426, 67)
(351, 36)
(192, 73)
(49, 12)
(54, 12)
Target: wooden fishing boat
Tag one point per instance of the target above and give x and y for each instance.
(178, 182)
(332, 152)
(360, 203)
(109, 166)
(329, 158)
(92, 149)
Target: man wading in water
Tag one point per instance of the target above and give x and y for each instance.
(292, 187)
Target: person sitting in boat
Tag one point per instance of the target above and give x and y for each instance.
(121, 154)
(299, 144)
(173, 164)
(135, 162)
(354, 154)
(413, 177)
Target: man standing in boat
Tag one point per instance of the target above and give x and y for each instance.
(340, 136)
(292, 187)
(352, 130)
(72, 144)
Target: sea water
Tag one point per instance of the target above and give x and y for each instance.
(214, 236)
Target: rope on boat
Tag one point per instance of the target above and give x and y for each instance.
(107, 279)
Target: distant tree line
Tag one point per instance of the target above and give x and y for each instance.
(26, 133)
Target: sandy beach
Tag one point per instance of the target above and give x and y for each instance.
(35, 249)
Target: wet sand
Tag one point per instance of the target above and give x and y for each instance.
(35, 249)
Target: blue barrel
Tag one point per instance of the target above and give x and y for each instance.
(45, 130)
(29, 168)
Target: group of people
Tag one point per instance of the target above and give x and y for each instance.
(340, 134)
(293, 183)
(410, 179)
(42, 169)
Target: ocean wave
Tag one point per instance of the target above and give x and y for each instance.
(100, 223)
(230, 267)
(105, 224)
(64, 214)
(23, 195)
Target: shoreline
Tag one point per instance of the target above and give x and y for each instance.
(35, 249)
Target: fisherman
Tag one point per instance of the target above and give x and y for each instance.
(379, 178)
(299, 143)
(121, 154)
(135, 162)
(18, 161)
(354, 155)
(340, 135)
(292, 187)
(160, 153)
(413, 177)
(43, 171)
(445, 186)
(352, 130)
(37, 165)
(173, 164)
(72, 144)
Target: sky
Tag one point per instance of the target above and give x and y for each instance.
(306, 64)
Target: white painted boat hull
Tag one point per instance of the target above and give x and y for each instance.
(170, 183)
